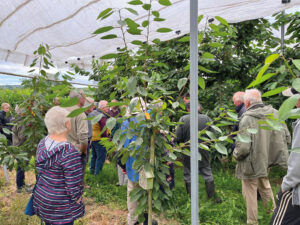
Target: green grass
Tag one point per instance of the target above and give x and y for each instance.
(231, 211)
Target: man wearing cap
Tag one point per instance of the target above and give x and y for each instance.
(78, 135)
(267, 148)
(288, 198)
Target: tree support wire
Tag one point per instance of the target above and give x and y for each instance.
(26, 76)
(194, 110)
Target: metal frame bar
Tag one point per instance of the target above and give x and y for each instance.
(194, 110)
(26, 76)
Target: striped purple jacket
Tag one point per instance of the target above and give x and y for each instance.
(60, 185)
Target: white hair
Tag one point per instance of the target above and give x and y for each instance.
(239, 96)
(253, 96)
(55, 120)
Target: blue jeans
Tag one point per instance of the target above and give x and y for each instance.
(98, 157)
(64, 224)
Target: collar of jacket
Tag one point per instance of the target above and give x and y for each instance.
(239, 107)
(256, 105)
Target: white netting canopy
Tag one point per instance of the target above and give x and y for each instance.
(67, 26)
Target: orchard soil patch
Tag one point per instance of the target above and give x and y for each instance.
(12, 205)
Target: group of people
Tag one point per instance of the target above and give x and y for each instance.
(62, 157)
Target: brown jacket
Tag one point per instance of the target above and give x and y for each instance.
(79, 131)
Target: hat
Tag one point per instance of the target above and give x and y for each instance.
(88, 101)
(290, 92)
(76, 94)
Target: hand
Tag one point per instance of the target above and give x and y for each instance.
(124, 171)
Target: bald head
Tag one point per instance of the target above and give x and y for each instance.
(251, 97)
(238, 98)
(103, 106)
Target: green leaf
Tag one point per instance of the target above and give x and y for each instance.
(178, 163)
(210, 134)
(262, 71)
(217, 129)
(135, 2)
(207, 55)
(221, 148)
(109, 56)
(155, 13)
(76, 112)
(43, 72)
(41, 50)
(271, 58)
(137, 42)
(159, 19)
(121, 22)
(252, 130)
(146, 6)
(165, 2)
(287, 106)
(70, 102)
(131, 24)
(97, 118)
(103, 29)
(181, 83)
(274, 92)
(156, 41)
(142, 91)
(200, 18)
(203, 146)
(111, 122)
(132, 11)
(201, 83)
(175, 105)
(109, 36)
(134, 31)
(206, 70)
(131, 85)
(157, 204)
(104, 12)
(296, 84)
(261, 80)
(243, 138)
(222, 21)
(164, 30)
(6, 131)
(216, 45)
(222, 138)
(296, 62)
(233, 115)
(184, 39)
(145, 23)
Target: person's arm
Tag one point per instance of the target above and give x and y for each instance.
(73, 175)
(292, 179)
(82, 132)
(242, 149)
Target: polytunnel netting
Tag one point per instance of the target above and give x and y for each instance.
(68, 26)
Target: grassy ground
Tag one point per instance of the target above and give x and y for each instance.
(106, 202)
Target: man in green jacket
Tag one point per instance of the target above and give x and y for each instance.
(266, 148)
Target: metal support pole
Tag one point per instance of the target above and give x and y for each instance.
(194, 110)
(6, 173)
(282, 35)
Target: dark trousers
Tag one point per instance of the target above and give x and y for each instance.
(285, 213)
(98, 157)
(20, 178)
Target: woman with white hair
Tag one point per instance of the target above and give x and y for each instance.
(59, 188)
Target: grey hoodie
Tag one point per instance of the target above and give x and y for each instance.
(292, 179)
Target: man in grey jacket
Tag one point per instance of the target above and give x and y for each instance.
(288, 208)
(254, 158)
(183, 136)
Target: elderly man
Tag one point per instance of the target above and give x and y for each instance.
(288, 208)
(4, 120)
(183, 136)
(98, 150)
(78, 135)
(267, 148)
